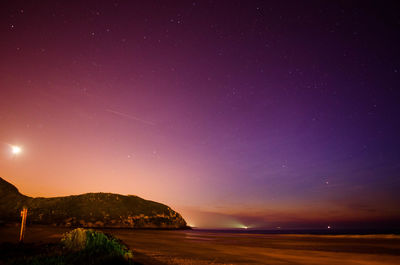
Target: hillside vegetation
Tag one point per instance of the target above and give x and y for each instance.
(87, 210)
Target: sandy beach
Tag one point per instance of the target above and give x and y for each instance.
(156, 247)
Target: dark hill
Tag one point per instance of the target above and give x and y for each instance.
(87, 210)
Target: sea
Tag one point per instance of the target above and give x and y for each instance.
(376, 231)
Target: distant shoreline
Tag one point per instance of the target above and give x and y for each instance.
(94, 227)
(306, 231)
(322, 232)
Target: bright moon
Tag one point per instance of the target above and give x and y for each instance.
(16, 149)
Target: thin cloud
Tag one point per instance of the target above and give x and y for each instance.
(130, 117)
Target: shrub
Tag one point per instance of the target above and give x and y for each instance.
(94, 244)
(99, 242)
(78, 247)
(75, 240)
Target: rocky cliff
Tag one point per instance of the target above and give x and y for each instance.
(87, 210)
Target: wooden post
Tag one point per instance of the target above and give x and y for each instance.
(24, 214)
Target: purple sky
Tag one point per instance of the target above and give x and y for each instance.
(234, 113)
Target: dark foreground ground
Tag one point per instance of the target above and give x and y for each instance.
(151, 247)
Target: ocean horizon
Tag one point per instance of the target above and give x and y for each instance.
(375, 231)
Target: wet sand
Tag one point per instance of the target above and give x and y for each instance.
(153, 247)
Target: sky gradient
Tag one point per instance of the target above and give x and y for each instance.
(234, 113)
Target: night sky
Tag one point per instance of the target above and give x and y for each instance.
(234, 113)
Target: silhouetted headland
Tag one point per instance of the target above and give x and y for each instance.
(98, 210)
